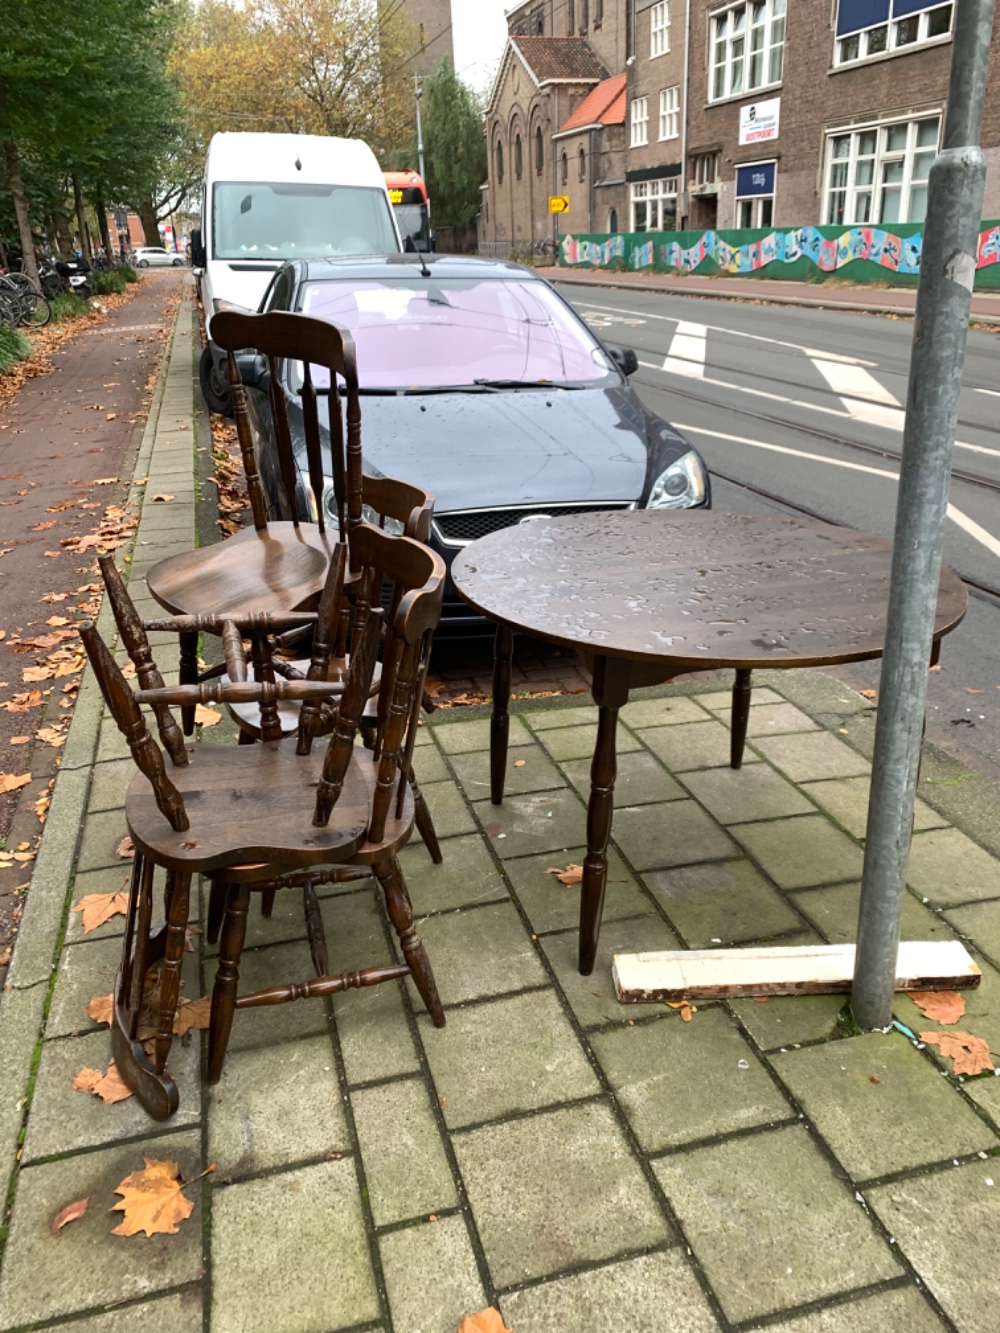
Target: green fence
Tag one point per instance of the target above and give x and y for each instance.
(859, 254)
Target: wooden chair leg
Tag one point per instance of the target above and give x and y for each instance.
(234, 929)
(177, 896)
(503, 659)
(425, 822)
(267, 902)
(740, 718)
(397, 902)
(216, 911)
(188, 675)
(314, 929)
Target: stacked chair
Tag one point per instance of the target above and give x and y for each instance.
(299, 803)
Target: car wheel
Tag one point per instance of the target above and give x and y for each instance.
(214, 386)
(177, 263)
(144, 263)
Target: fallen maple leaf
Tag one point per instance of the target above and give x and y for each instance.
(867, 694)
(935, 668)
(193, 1014)
(688, 1010)
(486, 1321)
(30, 674)
(152, 1200)
(163, 499)
(110, 1087)
(111, 416)
(573, 874)
(8, 782)
(520, 763)
(206, 717)
(126, 848)
(968, 690)
(970, 1054)
(940, 1006)
(70, 1213)
(100, 907)
(101, 1008)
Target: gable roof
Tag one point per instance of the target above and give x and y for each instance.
(603, 105)
(549, 60)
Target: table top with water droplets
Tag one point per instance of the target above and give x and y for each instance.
(705, 588)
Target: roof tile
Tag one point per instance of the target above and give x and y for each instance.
(603, 105)
(560, 58)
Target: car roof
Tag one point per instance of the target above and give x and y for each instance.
(382, 268)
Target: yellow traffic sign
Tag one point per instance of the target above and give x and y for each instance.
(558, 203)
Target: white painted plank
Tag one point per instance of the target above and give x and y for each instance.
(815, 969)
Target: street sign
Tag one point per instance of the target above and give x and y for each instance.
(558, 203)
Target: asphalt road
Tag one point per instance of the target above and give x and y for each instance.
(796, 407)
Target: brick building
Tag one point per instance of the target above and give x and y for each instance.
(653, 114)
(432, 19)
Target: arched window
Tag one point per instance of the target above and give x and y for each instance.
(518, 159)
(613, 220)
(564, 168)
(499, 161)
(539, 151)
(583, 164)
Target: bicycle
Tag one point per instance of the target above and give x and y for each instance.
(23, 303)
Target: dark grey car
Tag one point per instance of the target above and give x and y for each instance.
(483, 385)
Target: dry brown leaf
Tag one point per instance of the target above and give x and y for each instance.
(152, 1200)
(573, 874)
(935, 668)
(867, 694)
(110, 1087)
(193, 1014)
(486, 1321)
(8, 782)
(111, 416)
(520, 763)
(101, 1008)
(19, 740)
(87, 1080)
(57, 620)
(970, 1054)
(126, 848)
(685, 1006)
(70, 1213)
(206, 717)
(163, 499)
(100, 907)
(34, 674)
(940, 1006)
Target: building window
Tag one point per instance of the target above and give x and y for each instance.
(518, 157)
(654, 205)
(640, 121)
(669, 113)
(870, 28)
(539, 152)
(499, 162)
(748, 48)
(613, 220)
(879, 174)
(755, 194)
(704, 169)
(570, 18)
(564, 169)
(659, 29)
(582, 163)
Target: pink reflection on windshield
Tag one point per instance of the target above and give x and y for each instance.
(423, 333)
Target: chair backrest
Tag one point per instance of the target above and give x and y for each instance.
(283, 336)
(388, 498)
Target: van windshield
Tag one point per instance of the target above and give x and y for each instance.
(257, 220)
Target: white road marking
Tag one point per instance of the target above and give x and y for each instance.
(994, 393)
(687, 350)
(861, 393)
(962, 520)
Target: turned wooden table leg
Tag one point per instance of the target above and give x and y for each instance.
(740, 718)
(503, 657)
(188, 676)
(611, 677)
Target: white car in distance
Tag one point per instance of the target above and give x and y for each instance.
(151, 256)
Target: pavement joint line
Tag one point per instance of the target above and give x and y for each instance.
(835, 1301)
(408, 1223)
(726, 1136)
(223, 1181)
(925, 1169)
(599, 1098)
(88, 1149)
(591, 1266)
(71, 1321)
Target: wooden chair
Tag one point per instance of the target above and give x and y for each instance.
(274, 816)
(274, 567)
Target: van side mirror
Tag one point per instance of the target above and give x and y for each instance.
(625, 359)
(254, 371)
(197, 249)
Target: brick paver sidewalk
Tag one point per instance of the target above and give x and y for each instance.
(580, 1165)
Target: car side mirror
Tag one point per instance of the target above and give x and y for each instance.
(197, 249)
(254, 371)
(625, 359)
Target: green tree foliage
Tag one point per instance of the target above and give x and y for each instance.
(454, 147)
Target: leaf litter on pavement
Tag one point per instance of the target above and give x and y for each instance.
(971, 1055)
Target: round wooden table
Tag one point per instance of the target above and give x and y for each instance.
(644, 595)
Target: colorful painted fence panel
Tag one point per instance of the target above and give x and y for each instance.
(861, 254)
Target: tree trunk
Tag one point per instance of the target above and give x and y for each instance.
(150, 223)
(64, 237)
(13, 162)
(81, 217)
(102, 220)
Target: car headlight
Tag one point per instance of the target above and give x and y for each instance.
(681, 486)
(390, 525)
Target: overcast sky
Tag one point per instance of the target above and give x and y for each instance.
(480, 31)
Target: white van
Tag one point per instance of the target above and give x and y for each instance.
(269, 198)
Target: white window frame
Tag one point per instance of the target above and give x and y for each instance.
(640, 122)
(659, 29)
(843, 54)
(739, 35)
(757, 201)
(910, 186)
(670, 113)
(647, 199)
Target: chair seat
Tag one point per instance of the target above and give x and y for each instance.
(276, 571)
(246, 805)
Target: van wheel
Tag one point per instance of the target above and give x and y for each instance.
(214, 386)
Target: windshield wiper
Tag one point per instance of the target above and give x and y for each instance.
(526, 384)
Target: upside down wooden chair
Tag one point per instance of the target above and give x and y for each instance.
(273, 816)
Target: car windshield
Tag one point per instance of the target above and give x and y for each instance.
(426, 333)
(271, 221)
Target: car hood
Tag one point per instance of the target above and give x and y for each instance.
(476, 450)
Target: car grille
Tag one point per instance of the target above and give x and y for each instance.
(463, 526)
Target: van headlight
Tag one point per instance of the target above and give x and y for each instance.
(681, 486)
(390, 525)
